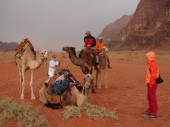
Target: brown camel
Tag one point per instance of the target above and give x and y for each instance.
(85, 62)
(28, 61)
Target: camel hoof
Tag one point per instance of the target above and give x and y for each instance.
(21, 97)
(33, 98)
(99, 87)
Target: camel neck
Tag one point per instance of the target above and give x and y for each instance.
(32, 61)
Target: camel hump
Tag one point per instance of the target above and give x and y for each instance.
(23, 45)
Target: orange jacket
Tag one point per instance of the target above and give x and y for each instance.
(99, 45)
(152, 71)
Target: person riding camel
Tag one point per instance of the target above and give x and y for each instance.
(19, 49)
(90, 42)
(99, 46)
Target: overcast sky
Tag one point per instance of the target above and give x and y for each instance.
(52, 24)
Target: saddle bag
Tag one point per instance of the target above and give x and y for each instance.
(59, 87)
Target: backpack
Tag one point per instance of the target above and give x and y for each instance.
(59, 87)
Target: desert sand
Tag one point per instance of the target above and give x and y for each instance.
(127, 91)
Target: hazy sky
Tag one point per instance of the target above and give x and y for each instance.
(52, 24)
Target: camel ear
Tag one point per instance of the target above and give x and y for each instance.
(91, 76)
(42, 50)
(84, 75)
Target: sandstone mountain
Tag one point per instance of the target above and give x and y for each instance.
(110, 31)
(4, 46)
(149, 28)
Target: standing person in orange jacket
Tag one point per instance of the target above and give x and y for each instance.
(99, 45)
(152, 73)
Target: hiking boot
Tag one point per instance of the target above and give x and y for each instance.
(146, 113)
(151, 116)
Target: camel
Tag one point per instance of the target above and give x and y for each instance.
(86, 65)
(76, 97)
(28, 61)
(80, 97)
(86, 62)
(88, 82)
(72, 96)
(103, 63)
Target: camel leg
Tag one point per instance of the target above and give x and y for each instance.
(22, 82)
(31, 83)
(97, 74)
(99, 80)
(105, 78)
(93, 90)
(43, 98)
(20, 79)
(20, 75)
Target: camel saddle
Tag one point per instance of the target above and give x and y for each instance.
(22, 46)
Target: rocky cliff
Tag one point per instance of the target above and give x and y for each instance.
(4, 46)
(110, 31)
(147, 29)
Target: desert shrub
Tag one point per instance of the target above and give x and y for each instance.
(24, 114)
(92, 111)
(9, 57)
(98, 112)
(2, 54)
(72, 112)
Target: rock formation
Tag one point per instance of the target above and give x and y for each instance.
(108, 33)
(4, 46)
(149, 28)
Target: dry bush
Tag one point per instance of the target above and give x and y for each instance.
(9, 57)
(72, 112)
(24, 114)
(98, 112)
(92, 111)
(2, 54)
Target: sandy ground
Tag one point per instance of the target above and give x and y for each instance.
(126, 93)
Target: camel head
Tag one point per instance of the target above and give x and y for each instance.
(43, 54)
(68, 49)
(104, 49)
(88, 81)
